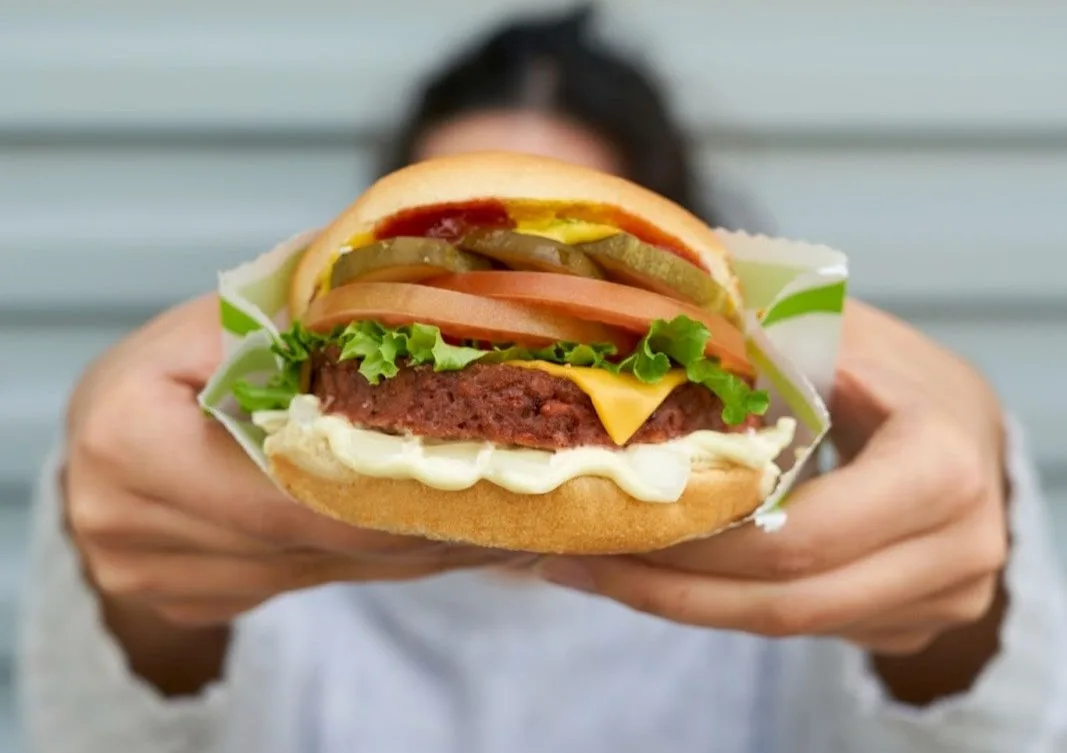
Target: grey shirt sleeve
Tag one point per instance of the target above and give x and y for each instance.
(1018, 703)
(75, 692)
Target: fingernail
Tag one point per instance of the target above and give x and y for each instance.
(566, 573)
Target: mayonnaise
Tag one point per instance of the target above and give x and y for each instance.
(648, 472)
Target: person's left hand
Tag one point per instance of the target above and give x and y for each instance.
(903, 541)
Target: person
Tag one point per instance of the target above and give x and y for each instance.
(178, 602)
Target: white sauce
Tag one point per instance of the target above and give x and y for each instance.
(652, 473)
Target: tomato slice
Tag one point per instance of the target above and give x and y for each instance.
(630, 309)
(456, 314)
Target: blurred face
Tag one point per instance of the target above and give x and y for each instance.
(519, 131)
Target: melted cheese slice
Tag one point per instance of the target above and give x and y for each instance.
(622, 401)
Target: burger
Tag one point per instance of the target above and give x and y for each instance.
(515, 352)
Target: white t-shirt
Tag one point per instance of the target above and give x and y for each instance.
(470, 663)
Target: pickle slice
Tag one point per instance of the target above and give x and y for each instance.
(633, 262)
(529, 252)
(403, 259)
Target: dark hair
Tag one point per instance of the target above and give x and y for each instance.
(553, 65)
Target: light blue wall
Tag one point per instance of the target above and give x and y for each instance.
(143, 146)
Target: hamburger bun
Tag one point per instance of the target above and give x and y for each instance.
(505, 176)
(587, 515)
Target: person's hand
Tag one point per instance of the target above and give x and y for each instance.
(903, 541)
(170, 514)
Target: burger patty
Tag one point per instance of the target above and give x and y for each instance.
(499, 403)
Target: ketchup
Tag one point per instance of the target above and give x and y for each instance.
(449, 222)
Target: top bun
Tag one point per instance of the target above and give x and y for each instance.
(504, 176)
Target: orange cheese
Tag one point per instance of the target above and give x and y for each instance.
(622, 401)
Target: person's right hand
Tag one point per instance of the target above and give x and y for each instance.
(170, 514)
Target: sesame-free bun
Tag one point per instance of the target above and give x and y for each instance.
(587, 515)
(505, 176)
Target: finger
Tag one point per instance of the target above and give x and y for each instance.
(867, 392)
(868, 384)
(125, 521)
(818, 604)
(906, 482)
(195, 324)
(179, 576)
(956, 605)
(166, 528)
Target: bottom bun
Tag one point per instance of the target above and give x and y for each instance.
(588, 515)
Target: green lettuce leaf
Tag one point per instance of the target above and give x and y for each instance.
(644, 363)
(293, 347)
(452, 357)
(275, 395)
(382, 350)
(682, 341)
(681, 338)
(738, 399)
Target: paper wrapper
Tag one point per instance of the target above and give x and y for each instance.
(794, 294)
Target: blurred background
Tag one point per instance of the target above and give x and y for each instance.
(143, 146)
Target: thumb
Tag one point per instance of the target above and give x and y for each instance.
(866, 394)
(197, 325)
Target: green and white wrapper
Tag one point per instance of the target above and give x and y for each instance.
(794, 295)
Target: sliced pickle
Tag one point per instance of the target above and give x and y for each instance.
(403, 259)
(529, 252)
(633, 262)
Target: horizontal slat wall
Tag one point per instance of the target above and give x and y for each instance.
(144, 146)
(777, 66)
(115, 227)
